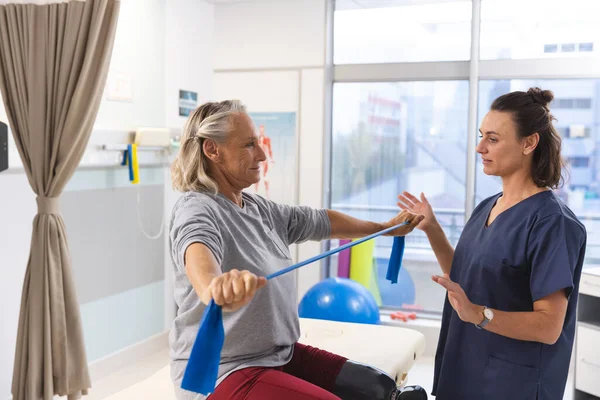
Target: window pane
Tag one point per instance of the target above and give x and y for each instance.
(367, 32)
(517, 29)
(391, 137)
(578, 124)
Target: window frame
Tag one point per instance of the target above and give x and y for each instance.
(472, 70)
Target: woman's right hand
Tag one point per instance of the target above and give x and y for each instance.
(234, 289)
(407, 201)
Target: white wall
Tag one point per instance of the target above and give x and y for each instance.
(189, 54)
(138, 54)
(17, 209)
(270, 34)
(162, 46)
(138, 50)
(271, 55)
(170, 48)
(188, 66)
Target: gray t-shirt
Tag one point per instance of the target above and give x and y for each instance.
(255, 238)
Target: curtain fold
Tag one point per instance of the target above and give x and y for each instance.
(54, 60)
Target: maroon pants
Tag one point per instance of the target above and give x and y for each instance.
(310, 375)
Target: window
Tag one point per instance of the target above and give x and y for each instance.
(563, 103)
(583, 103)
(568, 48)
(516, 29)
(572, 103)
(404, 116)
(580, 129)
(390, 137)
(367, 31)
(579, 162)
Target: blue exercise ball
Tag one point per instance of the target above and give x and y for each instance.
(339, 299)
(395, 294)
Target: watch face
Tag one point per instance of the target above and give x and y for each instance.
(489, 314)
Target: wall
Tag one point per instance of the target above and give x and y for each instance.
(113, 228)
(271, 55)
(17, 209)
(123, 221)
(270, 34)
(168, 48)
(188, 66)
(188, 54)
(119, 312)
(138, 55)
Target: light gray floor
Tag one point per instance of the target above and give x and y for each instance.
(128, 376)
(421, 374)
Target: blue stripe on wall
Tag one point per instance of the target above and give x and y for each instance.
(109, 178)
(113, 323)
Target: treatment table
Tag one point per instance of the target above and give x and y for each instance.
(391, 349)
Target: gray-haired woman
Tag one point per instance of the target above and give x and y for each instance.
(224, 241)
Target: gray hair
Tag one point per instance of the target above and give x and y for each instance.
(214, 121)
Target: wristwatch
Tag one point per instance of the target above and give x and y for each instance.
(488, 315)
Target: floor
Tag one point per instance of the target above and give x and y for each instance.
(421, 374)
(125, 377)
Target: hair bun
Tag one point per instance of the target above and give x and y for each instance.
(543, 97)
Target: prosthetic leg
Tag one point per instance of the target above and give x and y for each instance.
(358, 381)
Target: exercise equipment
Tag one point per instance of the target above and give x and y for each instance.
(363, 268)
(344, 261)
(402, 294)
(130, 159)
(339, 299)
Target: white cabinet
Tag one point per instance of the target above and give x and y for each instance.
(587, 350)
(587, 363)
(590, 282)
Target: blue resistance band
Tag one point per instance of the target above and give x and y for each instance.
(203, 365)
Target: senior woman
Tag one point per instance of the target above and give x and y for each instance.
(225, 241)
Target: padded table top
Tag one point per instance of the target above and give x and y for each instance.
(391, 349)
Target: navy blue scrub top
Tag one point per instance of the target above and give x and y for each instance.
(530, 251)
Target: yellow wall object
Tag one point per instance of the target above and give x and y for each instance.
(136, 165)
(362, 268)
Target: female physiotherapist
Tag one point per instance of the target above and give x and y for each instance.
(512, 281)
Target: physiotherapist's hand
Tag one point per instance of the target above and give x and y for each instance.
(407, 201)
(413, 220)
(234, 289)
(467, 311)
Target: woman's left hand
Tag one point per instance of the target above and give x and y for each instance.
(404, 216)
(467, 311)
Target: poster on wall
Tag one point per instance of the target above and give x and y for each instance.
(188, 101)
(277, 137)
